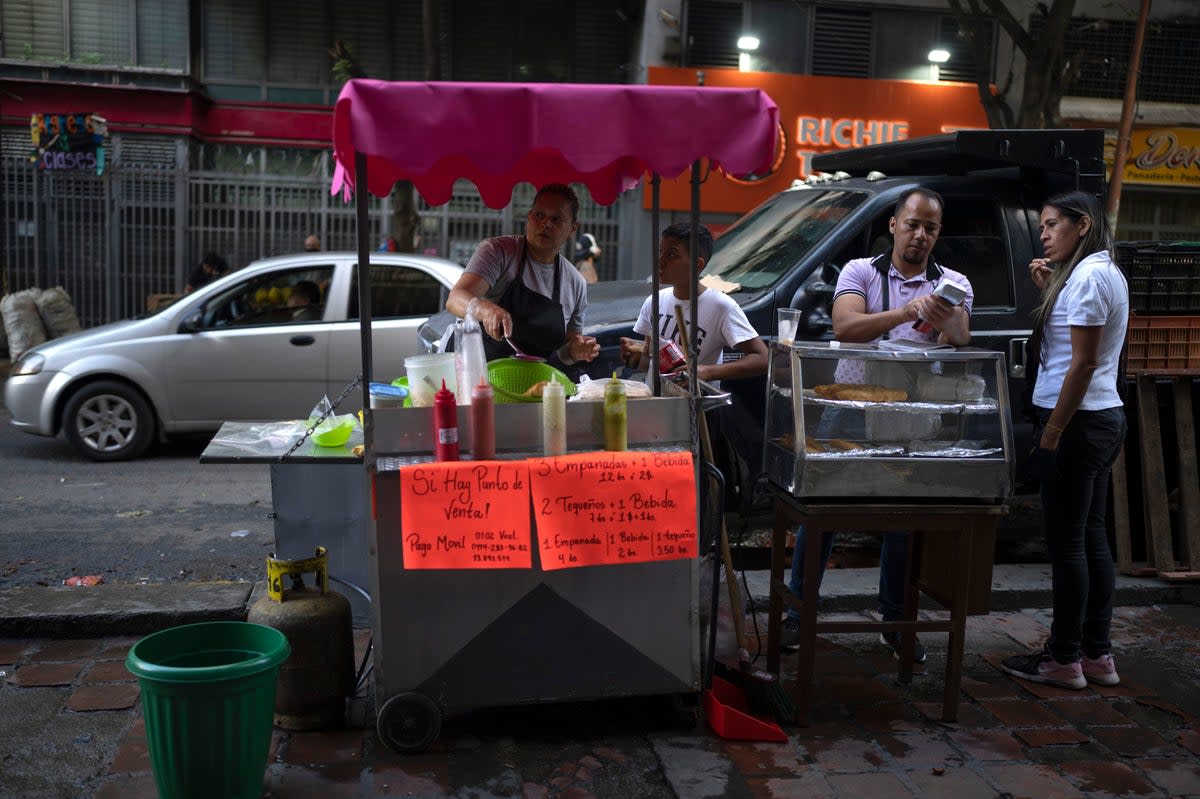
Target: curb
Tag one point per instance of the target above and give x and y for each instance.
(117, 609)
(139, 609)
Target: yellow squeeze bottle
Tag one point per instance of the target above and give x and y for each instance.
(616, 419)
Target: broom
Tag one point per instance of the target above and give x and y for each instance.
(764, 695)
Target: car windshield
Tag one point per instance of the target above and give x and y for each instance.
(766, 243)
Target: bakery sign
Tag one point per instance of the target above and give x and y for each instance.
(1164, 157)
(68, 141)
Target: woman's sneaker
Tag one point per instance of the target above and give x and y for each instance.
(1041, 667)
(1101, 670)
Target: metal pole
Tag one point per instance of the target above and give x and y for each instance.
(363, 222)
(693, 324)
(655, 343)
(1122, 154)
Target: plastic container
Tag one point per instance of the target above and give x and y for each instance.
(470, 361)
(208, 698)
(334, 432)
(402, 382)
(425, 376)
(388, 395)
(554, 420)
(512, 378)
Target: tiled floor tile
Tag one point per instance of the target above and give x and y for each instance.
(329, 746)
(805, 786)
(1093, 711)
(1015, 713)
(66, 649)
(762, 759)
(916, 750)
(1134, 742)
(868, 786)
(36, 675)
(988, 744)
(1029, 780)
(1179, 777)
(105, 696)
(843, 754)
(1103, 779)
(14, 651)
(108, 671)
(970, 715)
(1050, 736)
(133, 754)
(959, 783)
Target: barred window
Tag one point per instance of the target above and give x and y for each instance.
(117, 33)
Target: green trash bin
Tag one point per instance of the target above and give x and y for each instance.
(208, 697)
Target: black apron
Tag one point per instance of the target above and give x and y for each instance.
(538, 327)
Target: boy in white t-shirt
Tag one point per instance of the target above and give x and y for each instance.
(722, 323)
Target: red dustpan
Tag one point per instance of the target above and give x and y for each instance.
(730, 716)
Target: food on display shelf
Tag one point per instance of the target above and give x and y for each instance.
(843, 444)
(861, 392)
(812, 445)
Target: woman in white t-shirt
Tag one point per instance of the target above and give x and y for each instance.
(1081, 425)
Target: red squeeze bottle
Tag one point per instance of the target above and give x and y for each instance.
(483, 422)
(445, 425)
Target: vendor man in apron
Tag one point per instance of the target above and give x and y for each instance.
(523, 288)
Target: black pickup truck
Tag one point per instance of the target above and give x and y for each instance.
(788, 251)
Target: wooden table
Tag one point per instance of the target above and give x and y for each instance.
(965, 524)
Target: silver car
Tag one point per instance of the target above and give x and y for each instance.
(263, 343)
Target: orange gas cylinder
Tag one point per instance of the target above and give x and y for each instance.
(316, 679)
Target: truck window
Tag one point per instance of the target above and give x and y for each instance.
(972, 242)
(768, 242)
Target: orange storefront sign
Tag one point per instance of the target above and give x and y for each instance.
(818, 114)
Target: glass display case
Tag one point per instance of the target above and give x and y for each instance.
(889, 421)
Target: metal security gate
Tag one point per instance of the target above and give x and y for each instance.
(111, 240)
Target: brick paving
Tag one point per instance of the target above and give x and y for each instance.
(871, 737)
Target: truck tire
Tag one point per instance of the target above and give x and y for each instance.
(108, 421)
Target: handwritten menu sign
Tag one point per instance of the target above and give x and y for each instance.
(465, 515)
(613, 507)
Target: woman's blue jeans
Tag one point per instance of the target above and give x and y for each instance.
(1074, 509)
(893, 556)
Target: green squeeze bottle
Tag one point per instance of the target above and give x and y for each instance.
(616, 419)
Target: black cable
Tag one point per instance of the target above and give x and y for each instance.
(362, 667)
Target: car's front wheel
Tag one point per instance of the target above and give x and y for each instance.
(108, 421)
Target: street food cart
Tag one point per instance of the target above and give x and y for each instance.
(894, 437)
(524, 579)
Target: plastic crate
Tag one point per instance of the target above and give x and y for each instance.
(1163, 345)
(1164, 277)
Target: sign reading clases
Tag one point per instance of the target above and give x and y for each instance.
(818, 114)
(68, 141)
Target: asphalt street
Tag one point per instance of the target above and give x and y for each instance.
(164, 517)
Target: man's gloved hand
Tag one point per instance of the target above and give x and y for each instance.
(1042, 464)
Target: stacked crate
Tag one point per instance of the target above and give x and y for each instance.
(1163, 344)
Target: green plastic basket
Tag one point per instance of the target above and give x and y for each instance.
(511, 378)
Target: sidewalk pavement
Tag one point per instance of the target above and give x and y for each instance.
(73, 720)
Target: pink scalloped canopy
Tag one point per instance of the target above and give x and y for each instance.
(499, 134)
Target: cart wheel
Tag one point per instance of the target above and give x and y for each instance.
(409, 722)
